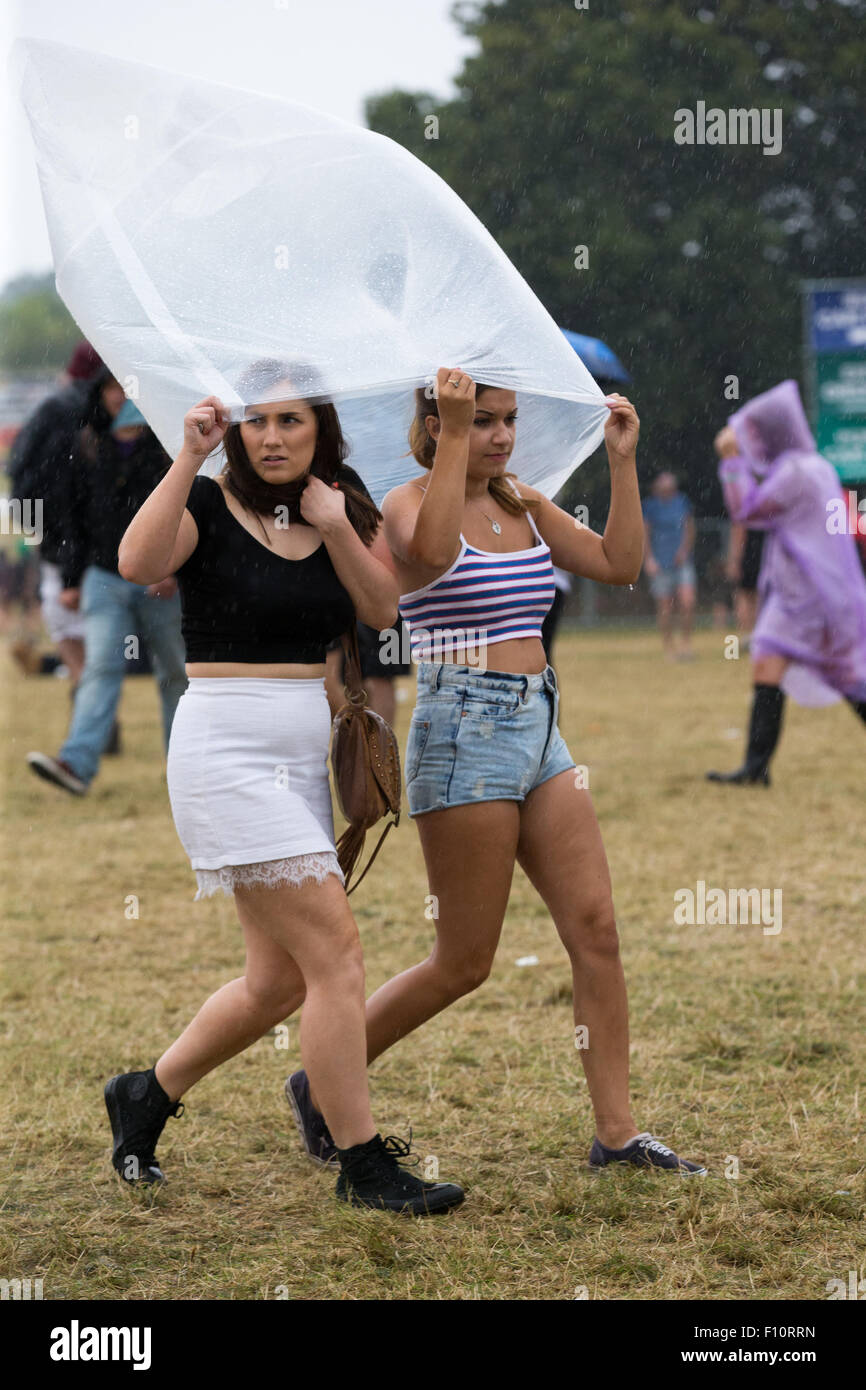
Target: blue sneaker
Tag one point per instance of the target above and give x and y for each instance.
(315, 1135)
(644, 1151)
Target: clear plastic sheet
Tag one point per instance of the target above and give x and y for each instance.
(198, 228)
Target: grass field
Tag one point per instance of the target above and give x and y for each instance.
(746, 1046)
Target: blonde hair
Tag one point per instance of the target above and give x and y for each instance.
(422, 447)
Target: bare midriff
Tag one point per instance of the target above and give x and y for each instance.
(287, 670)
(521, 656)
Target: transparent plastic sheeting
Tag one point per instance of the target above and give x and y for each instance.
(198, 228)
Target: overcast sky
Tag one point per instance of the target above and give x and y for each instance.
(330, 54)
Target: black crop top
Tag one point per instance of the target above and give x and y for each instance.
(240, 601)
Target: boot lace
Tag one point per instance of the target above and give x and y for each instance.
(400, 1149)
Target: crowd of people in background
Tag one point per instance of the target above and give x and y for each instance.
(90, 458)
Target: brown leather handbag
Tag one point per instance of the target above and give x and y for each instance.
(366, 760)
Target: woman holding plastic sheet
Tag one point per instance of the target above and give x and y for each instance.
(247, 764)
(488, 775)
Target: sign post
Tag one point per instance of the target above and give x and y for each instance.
(834, 345)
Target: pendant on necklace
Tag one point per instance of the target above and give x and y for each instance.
(496, 527)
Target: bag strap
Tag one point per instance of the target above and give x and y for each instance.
(353, 687)
(372, 857)
(356, 697)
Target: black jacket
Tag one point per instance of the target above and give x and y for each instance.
(108, 487)
(40, 458)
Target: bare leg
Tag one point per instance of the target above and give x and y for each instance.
(301, 941)
(71, 653)
(746, 607)
(313, 923)
(686, 600)
(562, 854)
(721, 617)
(665, 612)
(469, 852)
(769, 670)
(270, 990)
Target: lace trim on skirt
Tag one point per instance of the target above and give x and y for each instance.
(270, 873)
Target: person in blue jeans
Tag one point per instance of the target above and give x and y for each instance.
(669, 545)
(115, 470)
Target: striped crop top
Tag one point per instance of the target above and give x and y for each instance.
(485, 597)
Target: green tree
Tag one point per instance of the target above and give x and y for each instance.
(562, 135)
(36, 330)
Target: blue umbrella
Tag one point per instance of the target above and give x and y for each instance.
(596, 356)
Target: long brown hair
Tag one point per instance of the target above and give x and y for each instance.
(422, 447)
(261, 497)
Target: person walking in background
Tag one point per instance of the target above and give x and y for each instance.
(40, 467)
(19, 603)
(742, 568)
(670, 541)
(717, 583)
(810, 635)
(114, 471)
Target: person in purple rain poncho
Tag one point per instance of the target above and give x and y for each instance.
(809, 640)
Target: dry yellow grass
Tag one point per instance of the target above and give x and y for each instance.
(744, 1044)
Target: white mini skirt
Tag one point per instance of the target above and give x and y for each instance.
(247, 776)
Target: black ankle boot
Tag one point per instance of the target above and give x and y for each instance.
(768, 705)
(138, 1108)
(370, 1176)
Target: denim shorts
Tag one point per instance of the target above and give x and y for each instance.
(481, 736)
(667, 581)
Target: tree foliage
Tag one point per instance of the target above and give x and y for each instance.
(562, 135)
(36, 331)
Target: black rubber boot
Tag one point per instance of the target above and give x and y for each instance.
(858, 706)
(138, 1108)
(768, 705)
(370, 1176)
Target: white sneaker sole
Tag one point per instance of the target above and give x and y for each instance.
(51, 771)
(599, 1169)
